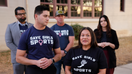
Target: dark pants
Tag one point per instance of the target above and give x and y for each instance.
(108, 70)
(36, 70)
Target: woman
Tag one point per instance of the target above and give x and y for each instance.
(108, 41)
(86, 57)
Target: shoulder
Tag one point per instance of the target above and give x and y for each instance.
(112, 30)
(53, 25)
(50, 30)
(95, 30)
(29, 23)
(68, 25)
(14, 23)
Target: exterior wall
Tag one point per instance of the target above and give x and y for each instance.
(120, 21)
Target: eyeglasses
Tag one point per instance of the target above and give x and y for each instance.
(21, 13)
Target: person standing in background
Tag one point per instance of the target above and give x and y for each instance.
(107, 40)
(12, 37)
(66, 37)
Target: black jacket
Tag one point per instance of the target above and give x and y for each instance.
(113, 39)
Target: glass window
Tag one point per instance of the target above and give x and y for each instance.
(98, 11)
(61, 1)
(87, 11)
(75, 1)
(3, 2)
(75, 11)
(122, 5)
(98, 3)
(48, 1)
(76, 8)
(87, 2)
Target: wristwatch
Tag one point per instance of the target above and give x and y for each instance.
(65, 51)
(53, 60)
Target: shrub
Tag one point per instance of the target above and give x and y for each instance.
(76, 27)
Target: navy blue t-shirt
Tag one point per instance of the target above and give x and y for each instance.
(86, 61)
(38, 43)
(63, 33)
(23, 28)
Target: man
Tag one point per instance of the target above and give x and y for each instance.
(39, 42)
(66, 37)
(13, 34)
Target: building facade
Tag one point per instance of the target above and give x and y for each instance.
(83, 12)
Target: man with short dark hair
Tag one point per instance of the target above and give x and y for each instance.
(66, 37)
(39, 42)
(12, 37)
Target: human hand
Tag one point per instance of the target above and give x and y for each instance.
(62, 53)
(106, 43)
(101, 45)
(46, 63)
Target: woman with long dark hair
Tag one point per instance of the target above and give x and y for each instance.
(108, 41)
(86, 57)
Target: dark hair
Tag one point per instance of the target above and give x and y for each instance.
(40, 8)
(18, 8)
(93, 38)
(99, 27)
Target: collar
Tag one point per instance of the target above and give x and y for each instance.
(22, 24)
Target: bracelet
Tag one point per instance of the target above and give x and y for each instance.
(65, 51)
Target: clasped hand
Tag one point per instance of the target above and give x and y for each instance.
(103, 44)
(44, 63)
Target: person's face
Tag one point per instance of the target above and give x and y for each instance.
(43, 18)
(103, 22)
(21, 15)
(60, 18)
(85, 38)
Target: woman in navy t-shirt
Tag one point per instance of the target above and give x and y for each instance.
(86, 57)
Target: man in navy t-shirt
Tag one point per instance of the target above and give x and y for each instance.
(39, 42)
(66, 37)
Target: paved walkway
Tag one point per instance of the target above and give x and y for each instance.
(124, 69)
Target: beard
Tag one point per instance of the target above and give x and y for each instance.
(22, 20)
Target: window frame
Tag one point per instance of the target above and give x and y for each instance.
(122, 5)
(69, 8)
(5, 5)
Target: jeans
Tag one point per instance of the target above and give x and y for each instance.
(58, 65)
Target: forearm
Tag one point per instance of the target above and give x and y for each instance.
(57, 57)
(68, 70)
(102, 71)
(69, 46)
(25, 61)
(112, 45)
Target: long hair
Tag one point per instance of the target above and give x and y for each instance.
(99, 27)
(93, 38)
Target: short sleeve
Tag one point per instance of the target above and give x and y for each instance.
(56, 42)
(102, 60)
(68, 58)
(71, 33)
